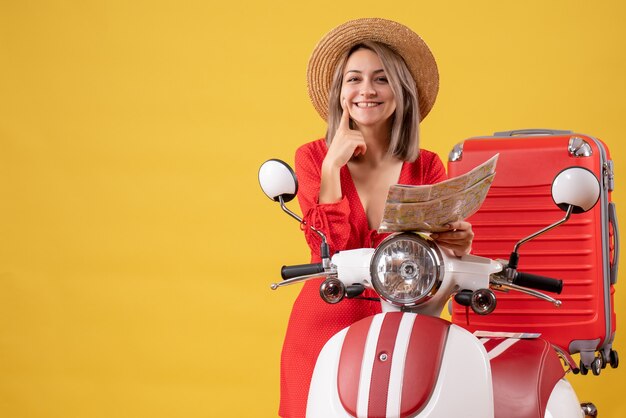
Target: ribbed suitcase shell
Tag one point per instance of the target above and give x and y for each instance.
(581, 252)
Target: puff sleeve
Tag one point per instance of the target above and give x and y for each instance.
(333, 219)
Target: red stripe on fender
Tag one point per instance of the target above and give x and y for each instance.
(379, 385)
(350, 361)
(423, 361)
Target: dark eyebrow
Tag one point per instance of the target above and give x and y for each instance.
(359, 72)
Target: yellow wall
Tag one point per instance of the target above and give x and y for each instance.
(135, 246)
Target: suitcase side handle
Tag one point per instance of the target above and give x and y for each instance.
(613, 223)
(532, 132)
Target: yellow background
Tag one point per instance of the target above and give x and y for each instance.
(136, 248)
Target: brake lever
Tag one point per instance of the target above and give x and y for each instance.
(304, 278)
(500, 284)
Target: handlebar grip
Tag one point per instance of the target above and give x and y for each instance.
(534, 281)
(289, 272)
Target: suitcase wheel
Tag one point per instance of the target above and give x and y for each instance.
(603, 358)
(613, 359)
(583, 369)
(596, 366)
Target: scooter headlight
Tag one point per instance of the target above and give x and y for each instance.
(406, 269)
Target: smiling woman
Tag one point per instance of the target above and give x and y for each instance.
(371, 79)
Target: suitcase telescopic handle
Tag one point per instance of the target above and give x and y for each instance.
(537, 282)
(537, 131)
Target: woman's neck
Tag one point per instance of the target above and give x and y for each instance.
(377, 139)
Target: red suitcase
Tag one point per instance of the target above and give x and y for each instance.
(583, 252)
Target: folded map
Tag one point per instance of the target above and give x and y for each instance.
(429, 208)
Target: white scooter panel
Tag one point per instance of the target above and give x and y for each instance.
(401, 365)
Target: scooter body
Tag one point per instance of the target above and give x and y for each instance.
(456, 381)
(414, 364)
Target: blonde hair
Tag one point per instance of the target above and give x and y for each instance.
(404, 139)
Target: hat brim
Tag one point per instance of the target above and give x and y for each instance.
(406, 43)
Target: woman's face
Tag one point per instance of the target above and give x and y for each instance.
(366, 90)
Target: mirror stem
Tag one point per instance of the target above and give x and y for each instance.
(514, 258)
(324, 250)
(286, 209)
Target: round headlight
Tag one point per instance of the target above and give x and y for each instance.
(406, 269)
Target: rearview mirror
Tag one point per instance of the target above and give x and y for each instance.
(577, 187)
(278, 179)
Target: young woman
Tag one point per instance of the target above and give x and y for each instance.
(370, 79)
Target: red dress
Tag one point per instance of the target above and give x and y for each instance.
(313, 321)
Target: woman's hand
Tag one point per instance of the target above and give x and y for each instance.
(346, 143)
(458, 238)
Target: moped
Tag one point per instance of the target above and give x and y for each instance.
(407, 361)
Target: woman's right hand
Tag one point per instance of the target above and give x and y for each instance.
(346, 143)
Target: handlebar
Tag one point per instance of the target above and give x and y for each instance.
(535, 281)
(289, 272)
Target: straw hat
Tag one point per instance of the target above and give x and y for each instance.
(399, 38)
